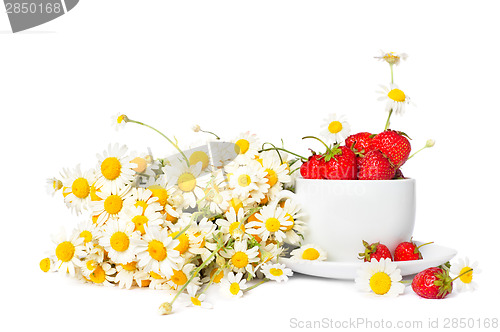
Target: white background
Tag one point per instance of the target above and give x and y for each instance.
(275, 68)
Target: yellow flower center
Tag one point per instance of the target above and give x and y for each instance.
(86, 235)
(241, 146)
(272, 224)
(120, 118)
(236, 204)
(65, 251)
(179, 278)
(157, 250)
(195, 301)
(139, 222)
(199, 156)
(129, 266)
(289, 217)
(111, 168)
(276, 272)
(156, 275)
(234, 288)
(159, 192)
(244, 180)
(467, 277)
(45, 265)
(91, 265)
(186, 182)
(113, 204)
(141, 204)
(218, 277)
(57, 184)
(141, 164)
(93, 195)
(272, 177)
(380, 283)
(235, 226)
(80, 188)
(335, 127)
(98, 275)
(119, 241)
(183, 245)
(240, 259)
(397, 95)
(310, 254)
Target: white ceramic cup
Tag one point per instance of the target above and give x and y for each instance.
(343, 213)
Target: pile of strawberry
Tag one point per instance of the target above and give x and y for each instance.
(431, 283)
(364, 156)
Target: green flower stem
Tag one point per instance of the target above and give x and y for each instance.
(462, 274)
(388, 122)
(281, 149)
(168, 139)
(327, 147)
(256, 285)
(216, 273)
(279, 154)
(392, 73)
(195, 272)
(209, 132)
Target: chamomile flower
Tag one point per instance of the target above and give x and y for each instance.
(125, 274)
(396, 99)
(53, 185)
(335, 129)
(181, 276)
(197, 300)
(115, 169)
(270, 223)
(380, 277)
(465, 282)
(308, 252)
(233, 284)
(156, 252)
(103, 274)
(110, 205)
(246, 146)
(277, 172)
(188, 181)
(391, 58)
(233, 226)
(89, 232)
(68, 250)
(119, 120)
(47, 264)
(140, 218)
(120, 240)
(277, 272)
(166, 193)
(240, 257)
(293, 213)
(216, 194)
(249, 179)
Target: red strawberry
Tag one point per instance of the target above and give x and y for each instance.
(340, 164)
(432, 283)
(311, 169)
(408, 251)
(360, 143)
(375, 250)
(374, 166)
(394, 145)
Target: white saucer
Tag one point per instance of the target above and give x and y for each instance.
(433, 255)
